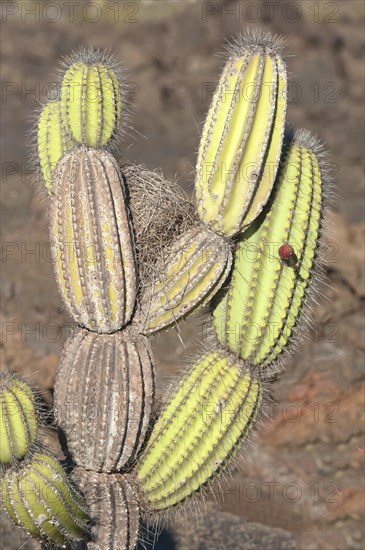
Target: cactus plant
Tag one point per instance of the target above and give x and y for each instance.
(132, 257)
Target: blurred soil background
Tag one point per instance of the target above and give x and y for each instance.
(302, 485)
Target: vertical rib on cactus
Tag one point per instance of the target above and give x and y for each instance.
(90, 100)
(266, 295)
(40, 499)
(18, 418)
(113, 509)
(242, 137)
(92, 241)
(197, 265)
(103, 397)
(52, 140)
(210, 412)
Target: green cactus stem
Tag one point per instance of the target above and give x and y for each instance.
(18, 418)
(103, 397)
(211, 411)
(240, 146)
(90, 101)
(198, 264)
(39, 498)
(52, 140)
(92, 242)
(268, 290)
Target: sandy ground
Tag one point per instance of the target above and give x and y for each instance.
(302, 485)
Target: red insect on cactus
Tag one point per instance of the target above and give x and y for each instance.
(287, 255)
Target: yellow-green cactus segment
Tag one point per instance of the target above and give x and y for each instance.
(256, 317)
(210, 413)
(198, 265)
(52, 140)
(306, 262)
(241, 142)
(90, 103)
(18, 418)
(40, 499)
